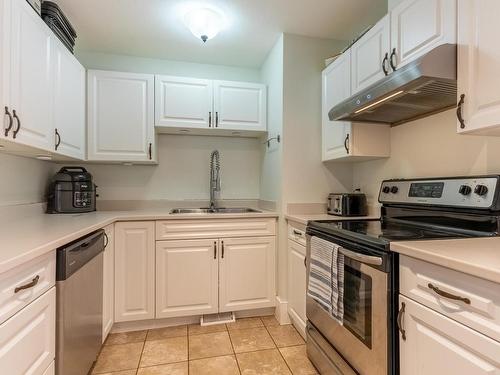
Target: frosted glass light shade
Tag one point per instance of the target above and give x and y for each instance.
(204, 23)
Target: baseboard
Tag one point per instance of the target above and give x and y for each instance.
(281, 312)
(298, 323)
(140, 325)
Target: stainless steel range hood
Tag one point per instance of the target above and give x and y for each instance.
(425, 86)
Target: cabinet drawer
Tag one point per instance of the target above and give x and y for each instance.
(482, 313)
(28, 338)
(214, 228)
(40, 271)
(297, 234)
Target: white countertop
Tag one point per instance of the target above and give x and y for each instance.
(26, 232)
(475, 256)
(304, 218)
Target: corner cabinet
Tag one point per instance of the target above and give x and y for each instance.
(121, 117)
(478, 66)
(134, 271)
(206, 107)
(342, 140)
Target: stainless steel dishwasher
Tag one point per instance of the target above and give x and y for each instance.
(79, 304)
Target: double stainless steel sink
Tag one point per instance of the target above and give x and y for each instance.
(218, 210)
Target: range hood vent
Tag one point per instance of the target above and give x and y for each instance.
(423, 87)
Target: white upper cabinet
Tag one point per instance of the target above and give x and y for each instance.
(370, 56)
(240, 106)
(30, 86)
(121, 117)
(478, 67)
(418, 26)
(336, 87)
(69, 103)
(183, 102)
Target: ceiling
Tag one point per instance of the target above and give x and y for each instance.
(154, 28)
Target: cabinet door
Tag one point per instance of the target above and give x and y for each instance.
(186, 278)
(436, 344)
(418, 26)
(370, 56)
(247, 273)
(297, 284)
(183, 102)
(134, 271)
(121, 117)
(69, 102)
(108, 302)
(28, 338)
(240, 106)
(336, 87)
(478, 65)
(31, 74)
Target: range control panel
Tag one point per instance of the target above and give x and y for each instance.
(467, 192)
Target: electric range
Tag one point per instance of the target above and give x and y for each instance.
(412, 210)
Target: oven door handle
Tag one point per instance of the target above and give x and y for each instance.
(368, 259)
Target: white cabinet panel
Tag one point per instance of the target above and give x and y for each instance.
(436, 344)
(51, 370)
(240, 106)
(121, 117)
(183, 102)
(69, 102)
(186, 278)
(247, 273)
(108, 303)
(478, 65)
(27, 340)
(134, 270)
(370, 56)
(31, 86)
(297, 284)
(336, 87)
(418, 26)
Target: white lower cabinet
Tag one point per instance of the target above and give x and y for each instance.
(108, 302)
(246, 273)
(186, 277)
(51, 370)
(27, 339)
(297, 276)
(134, 270)
(436, 344)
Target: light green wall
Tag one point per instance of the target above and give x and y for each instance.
(125, 63)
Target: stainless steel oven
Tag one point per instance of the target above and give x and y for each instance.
(362, 344)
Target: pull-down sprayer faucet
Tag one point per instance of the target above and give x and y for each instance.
(214, 178)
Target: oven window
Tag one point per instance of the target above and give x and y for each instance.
(358, 304)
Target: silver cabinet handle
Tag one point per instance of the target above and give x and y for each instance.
(368, 259)
(28, 285)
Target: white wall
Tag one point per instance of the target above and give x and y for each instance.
(271, 166)
(430, 147)
(124, 63)
(305, 178)
(23, 180)
(183, 171)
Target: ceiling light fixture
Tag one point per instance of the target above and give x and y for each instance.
(204, 23)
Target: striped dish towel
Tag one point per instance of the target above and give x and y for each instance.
(326, 277)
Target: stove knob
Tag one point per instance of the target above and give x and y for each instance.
(465, 190)
(481, 190)
(394, 189)
(386, 190)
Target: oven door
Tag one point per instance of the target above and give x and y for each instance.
(362, 340)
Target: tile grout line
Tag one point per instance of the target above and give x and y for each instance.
(234, 351)
(187, 337)
(278, 349)
(142, 352)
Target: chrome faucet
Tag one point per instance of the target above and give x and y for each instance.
(214, 178)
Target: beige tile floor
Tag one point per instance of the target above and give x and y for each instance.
(250, 346)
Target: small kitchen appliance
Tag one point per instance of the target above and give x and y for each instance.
(71, 191)
(367, 341)
(347, 204)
